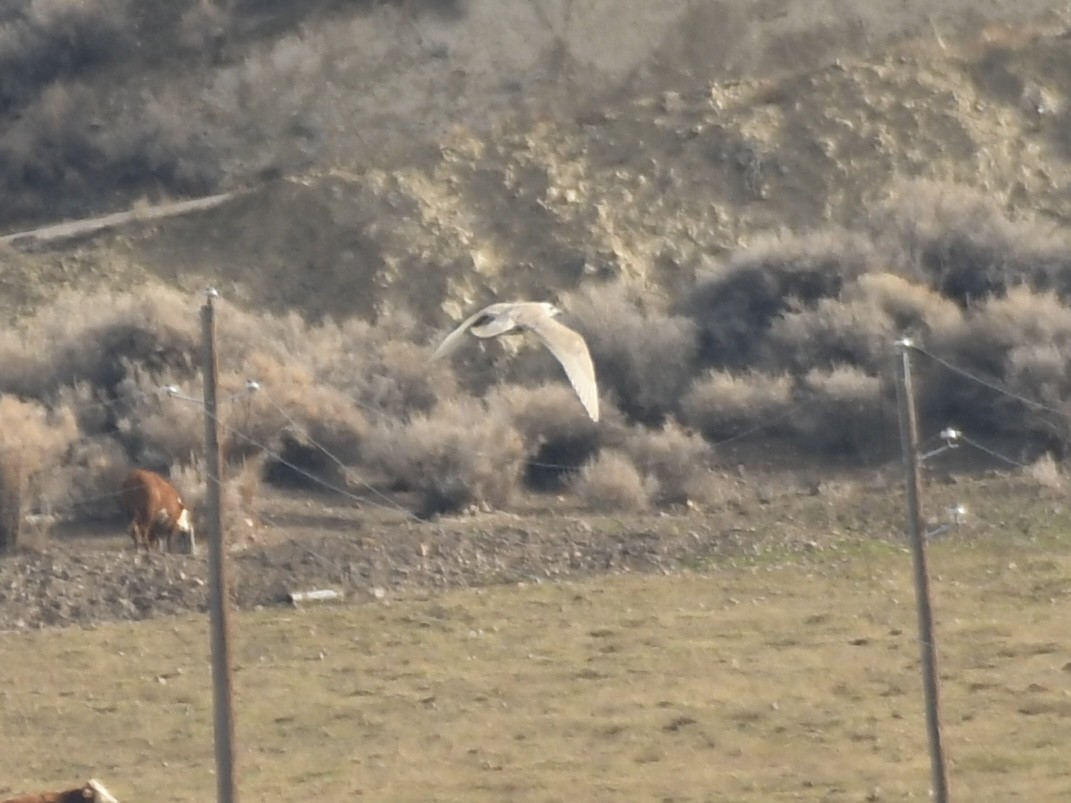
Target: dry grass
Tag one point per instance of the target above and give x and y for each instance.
(1046, 472)
(767, 679)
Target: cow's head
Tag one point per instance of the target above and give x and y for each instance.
(185, 542)
(95, 791)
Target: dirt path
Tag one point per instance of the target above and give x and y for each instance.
(92, 225)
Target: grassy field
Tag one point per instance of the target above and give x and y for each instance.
(768, 678)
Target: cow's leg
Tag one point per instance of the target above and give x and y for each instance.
(137, 534)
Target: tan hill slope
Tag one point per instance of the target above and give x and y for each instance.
(649, 187)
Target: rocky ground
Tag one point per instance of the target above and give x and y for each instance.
(72, 586)
(83, 576)
(69, 585)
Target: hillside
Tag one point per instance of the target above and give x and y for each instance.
(414, 154)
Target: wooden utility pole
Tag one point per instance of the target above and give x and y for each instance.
(909, 441)
(219, 597)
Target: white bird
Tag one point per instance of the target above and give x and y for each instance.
(536, 317)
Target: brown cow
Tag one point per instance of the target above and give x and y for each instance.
(92, 792)
(153, 503)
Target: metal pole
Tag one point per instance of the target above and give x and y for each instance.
(219, 598)
(909, 441)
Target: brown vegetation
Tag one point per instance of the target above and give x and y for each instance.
(703, 319)
(32, 443)
(643, 358)
(672, 459)
(610, 483)
(558, 435)
(721, 404)
(811, 321)
(459, 453)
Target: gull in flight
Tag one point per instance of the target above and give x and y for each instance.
(536, 317)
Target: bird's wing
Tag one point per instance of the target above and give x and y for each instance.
(572, 352)
(456, 337)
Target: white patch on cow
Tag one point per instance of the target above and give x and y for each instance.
(187, 544)
(100, 794)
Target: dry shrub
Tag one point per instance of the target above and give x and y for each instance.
(32, 443)
(912, 307)
(110, 354)
(669, 459)
(293, 407)
(95, 413)
(860, 326)
(203, 26)
(88, 483)
(103, 338)
(376, 366)
(59, 160)
(158, 429)
(260, 104)
(238, 494)
(313, 430)
(1022, 341)
(1046, 472)
(460, 453)
(246, 479)
(847, 414)
(644, 357)
(611, 484)
(1039, 371)
(832, 332)
(558, 435)
(966, 245)
(722, 404)
(273, 86)
(1019, 318)
(734, 304)
(398, 379)
(47, 38)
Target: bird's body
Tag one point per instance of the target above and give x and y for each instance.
(536, 317)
